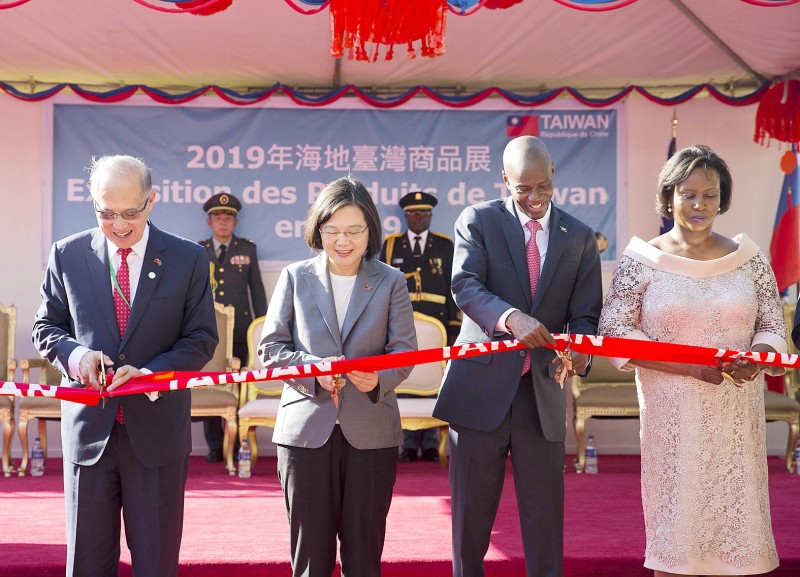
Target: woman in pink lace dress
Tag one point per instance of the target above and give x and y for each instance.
(704, 468)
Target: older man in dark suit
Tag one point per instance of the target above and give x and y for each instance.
(127, 295)
(522, 268)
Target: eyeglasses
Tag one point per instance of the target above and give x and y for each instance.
(130, 214)
(418, 212)
(349, 234)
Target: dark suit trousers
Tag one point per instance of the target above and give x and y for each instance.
(152, 507)
(477, 472)
(337, 490)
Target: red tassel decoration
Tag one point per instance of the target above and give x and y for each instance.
(778, 114)
(360, 27)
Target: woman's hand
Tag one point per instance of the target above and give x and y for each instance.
(328, 382)
(364, 381)
(705, 373)
(739, 370)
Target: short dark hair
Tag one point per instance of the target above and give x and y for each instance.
(345, 191)
(680, 166)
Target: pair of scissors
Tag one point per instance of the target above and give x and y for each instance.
(103, 379)
(566, 359)
(338, 383)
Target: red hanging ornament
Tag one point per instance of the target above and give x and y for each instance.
(778, 114)
(360, 27)
(213, 8)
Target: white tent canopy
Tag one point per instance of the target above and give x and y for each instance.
(666, 46)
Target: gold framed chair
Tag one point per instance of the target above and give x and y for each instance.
(605, 393)
(8, 328)
(221, 400)
(785, 407)
(416, 413)
(41, 408)
(258, 402)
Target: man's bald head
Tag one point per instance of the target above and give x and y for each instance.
(525, 150)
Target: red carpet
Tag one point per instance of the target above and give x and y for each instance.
(239, 527)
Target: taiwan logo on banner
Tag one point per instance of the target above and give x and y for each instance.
(522, 125)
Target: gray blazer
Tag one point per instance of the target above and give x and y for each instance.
(301, 327)
(171, 327)
(490, 275)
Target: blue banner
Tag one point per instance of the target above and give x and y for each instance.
(277, 160)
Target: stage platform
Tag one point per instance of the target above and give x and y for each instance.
(238, 526)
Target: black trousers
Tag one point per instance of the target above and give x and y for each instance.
(477, 472)
(151, 500)
(337, 491)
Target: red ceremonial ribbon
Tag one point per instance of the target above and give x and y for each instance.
(586, 344)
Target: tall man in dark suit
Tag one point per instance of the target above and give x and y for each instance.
(426, 258)
(236, 281)
(127, 295)
(522, 268)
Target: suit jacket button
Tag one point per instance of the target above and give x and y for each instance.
(522, 353)
(122, 357)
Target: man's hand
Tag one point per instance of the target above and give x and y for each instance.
(122, 376)
(528, 330)
(575, 365)
(89, 369)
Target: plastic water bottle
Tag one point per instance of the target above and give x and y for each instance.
(590, 457)
(244, 460)
(37, 459)
(797, 459)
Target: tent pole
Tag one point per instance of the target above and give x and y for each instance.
(717, 40)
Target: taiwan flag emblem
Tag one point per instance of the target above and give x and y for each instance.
(522, 125)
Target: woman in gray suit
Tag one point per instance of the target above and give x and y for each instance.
(338, 438)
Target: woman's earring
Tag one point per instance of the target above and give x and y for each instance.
(669, 208)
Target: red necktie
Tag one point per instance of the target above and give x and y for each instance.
(121, 305)
(534, 263)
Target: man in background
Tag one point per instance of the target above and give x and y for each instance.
(427, 259)
(236, 280)
(129, 296)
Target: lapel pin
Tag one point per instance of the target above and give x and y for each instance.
(367, 287)
(151, 275)
(563, 228)
(157, 261)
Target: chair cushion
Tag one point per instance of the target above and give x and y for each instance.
(777, 402)
(260, 408)
(416, 407)
(40, 407)
(211, 398)
(608, 397)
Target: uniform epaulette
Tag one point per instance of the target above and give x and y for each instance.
(245, 239)
(395, 235)
(441, 235)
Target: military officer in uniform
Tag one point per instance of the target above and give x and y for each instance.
(426, 258)
(236, 279)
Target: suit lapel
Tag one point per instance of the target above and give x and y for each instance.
(556, 243)
(97, 263)
(153, 267)
(319, 283)
(515, 239)
(367, 282)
